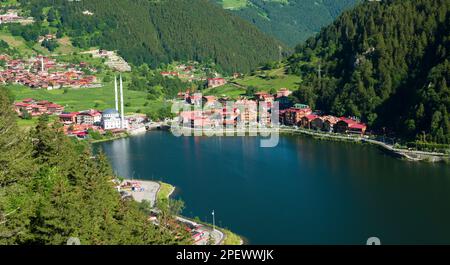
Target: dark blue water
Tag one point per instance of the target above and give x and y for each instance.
(304, 191)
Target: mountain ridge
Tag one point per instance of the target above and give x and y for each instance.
(386, 62)
(155, 32)
(291, 21)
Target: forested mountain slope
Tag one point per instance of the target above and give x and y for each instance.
(291, 21)
(386, 62)
(161, 31)
(52, 189)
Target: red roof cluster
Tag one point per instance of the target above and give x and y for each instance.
(29, 73)
(352, 123)
(215, 82)
(37, 108)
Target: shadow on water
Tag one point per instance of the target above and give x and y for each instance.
(304, 191)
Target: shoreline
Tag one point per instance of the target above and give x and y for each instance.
(409, 155)
(109, 139)
(227, 233)
(228, 237)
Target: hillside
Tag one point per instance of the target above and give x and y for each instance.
(53, 189)
(291, 21)
(157, 32)
(387, 63)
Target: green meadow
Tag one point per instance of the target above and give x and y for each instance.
(228, 90)
(234, 4)
(89, 98)
(263, 80)
(266, 80)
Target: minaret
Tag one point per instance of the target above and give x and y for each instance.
(42, 64)
(122, 115)
(115, 90)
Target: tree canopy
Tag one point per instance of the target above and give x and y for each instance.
(386, 62)
(155, 32)
(291, 21)
(53, 188)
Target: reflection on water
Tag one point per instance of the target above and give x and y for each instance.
(301, 192)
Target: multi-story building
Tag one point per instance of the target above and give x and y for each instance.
(89, 117)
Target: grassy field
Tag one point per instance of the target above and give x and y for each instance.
(266, 80)
(231, 238)
(164, 191)
(88, 98)
(227, 90)
(16, 42)
(65, 46)
(234, 4)
(262, 80)
(29, 124)
(8, 3)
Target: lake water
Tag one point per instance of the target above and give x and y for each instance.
(304, 191)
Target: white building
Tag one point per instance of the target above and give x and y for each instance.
(112, 118)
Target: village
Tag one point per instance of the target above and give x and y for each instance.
(80, 124)
(42, 72)
(217, 113)
(194, 72)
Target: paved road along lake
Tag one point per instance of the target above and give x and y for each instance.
(304, 191)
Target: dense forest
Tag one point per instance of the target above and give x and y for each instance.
(53, 188)
(386, 62)
(155, 32)
(291, 21)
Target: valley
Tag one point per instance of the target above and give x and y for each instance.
(356, 94)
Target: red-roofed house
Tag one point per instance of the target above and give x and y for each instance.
(90, 117)
(329, 122)
(37, 110)
(20, 107)
(293, 116)
(306, 120)
(215, 82)
(68, 118)
(283, 92)
(264, 96)
(54, 109)
(347, 125)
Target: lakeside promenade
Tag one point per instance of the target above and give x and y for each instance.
(412, 155)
